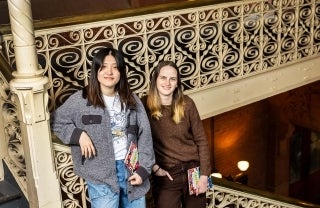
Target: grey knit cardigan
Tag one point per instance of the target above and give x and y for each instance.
(77, 115)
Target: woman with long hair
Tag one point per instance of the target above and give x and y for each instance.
(108, 131)
(179, 141)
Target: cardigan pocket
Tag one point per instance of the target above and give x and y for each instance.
(132, 129)
(91, 119)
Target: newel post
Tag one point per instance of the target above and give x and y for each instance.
(29, 87)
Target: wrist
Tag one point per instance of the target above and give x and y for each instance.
(156, 168)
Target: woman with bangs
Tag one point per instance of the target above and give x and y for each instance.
(109, 133)
(179, 141)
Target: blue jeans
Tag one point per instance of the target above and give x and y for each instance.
(101, 196)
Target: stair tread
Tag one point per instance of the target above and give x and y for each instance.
(8, 192)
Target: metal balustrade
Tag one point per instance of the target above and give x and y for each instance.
(213, 45)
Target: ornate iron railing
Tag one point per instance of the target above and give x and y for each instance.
(229, 194)
(223, 194)
(73, 188)
(213, 45)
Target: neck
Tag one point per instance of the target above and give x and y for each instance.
(166, 100)
(108, 92)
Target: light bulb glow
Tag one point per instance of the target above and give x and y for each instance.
(243, 165)
(217, 175)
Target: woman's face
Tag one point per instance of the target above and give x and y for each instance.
(167, 81)
(108, 75)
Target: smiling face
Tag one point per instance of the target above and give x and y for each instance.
(108, 75)
(166, 83)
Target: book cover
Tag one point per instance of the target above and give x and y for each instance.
(131, 159)
(193, 178)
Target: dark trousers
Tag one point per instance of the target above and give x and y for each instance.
(175, 194)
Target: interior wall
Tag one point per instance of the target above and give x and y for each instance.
(295, 111)
(261, 133)
(241, 134)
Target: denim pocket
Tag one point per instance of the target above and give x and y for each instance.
(98, 190)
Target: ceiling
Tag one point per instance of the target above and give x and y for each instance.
(45, 9)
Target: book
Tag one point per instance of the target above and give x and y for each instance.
(132, 158)
(193, 179)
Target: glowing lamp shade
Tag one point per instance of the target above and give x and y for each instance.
(217, 175)
(243, 165)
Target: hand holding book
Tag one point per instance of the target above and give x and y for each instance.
(197, 184)
(193, 178)
(132, 158)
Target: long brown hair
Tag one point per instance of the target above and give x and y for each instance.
(93, 91)
(153, 100)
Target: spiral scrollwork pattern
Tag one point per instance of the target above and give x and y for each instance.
(212, 45)
(220, 197)
(73, 188)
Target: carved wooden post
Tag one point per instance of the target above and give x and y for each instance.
(30, 89)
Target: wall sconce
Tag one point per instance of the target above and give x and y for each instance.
(243, 165)
(217, 175)
(241, 177)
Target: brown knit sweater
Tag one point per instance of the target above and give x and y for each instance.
(183, 142)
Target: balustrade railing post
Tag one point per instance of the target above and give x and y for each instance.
(2, 141)
(29, 87)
